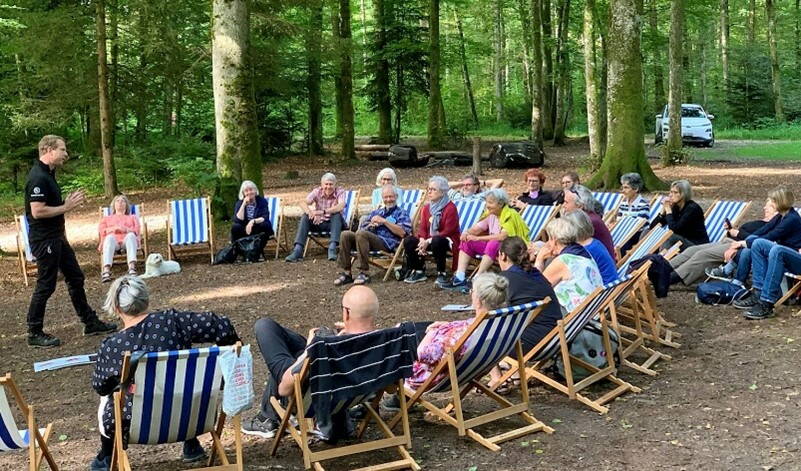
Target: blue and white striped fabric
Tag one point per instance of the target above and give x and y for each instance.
(190, 222)
(177, 395)
(106, 210)
(413, 196)
(11, 438)
(24, 231)
(469, 212)
(411, 209)
(490, 343)
(536, 216)
(720, 212)
(578, 319)
(347, 212)
(656, 209)
(646, 246)
(610, 201)
(274, 206)
(625, 229)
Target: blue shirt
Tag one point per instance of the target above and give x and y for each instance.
(605, 263)
(395, 215)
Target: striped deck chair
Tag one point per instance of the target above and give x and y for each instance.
(647, 245)
(557, 343)
(388, 260)
(176, 396)
(624, 229)
(719, 212)
(27, 262)
(137, 210)
(14, 439)
(303, 392)
(469, 212)
(413, 196)
(656, 208)
(348, 213)
(276, 207)
(190, 228)
(489, 338)
(794, 278)
(610, 201)
(537, 217)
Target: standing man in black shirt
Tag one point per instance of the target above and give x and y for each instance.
(45, 210)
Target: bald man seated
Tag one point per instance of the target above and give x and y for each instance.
(284, 350)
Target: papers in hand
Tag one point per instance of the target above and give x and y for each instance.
(457, 307)
(64, 362)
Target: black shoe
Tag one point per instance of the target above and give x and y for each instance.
(718, 273)
(100, 465)
(747, 302)
(762, 310)
(193, 452)
(442, 280)
(416, 276)
(264, 428)
(42, 340)
(391, 403)
(97, 327)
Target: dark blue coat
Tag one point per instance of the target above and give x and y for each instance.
(262, 211)
(784, 230)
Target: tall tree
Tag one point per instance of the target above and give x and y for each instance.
(313, 76)
(537, 96)
(725, 34)
(498, 60)
(564, 86)
(751, 26)
(625, 150)
(238, 149)
(775, 71)
(106, 124)
(548, 94)
(525, 26)
(591, 84)
(346, 80)
(435, 107)
(471, 101)
(658, 71)
(672, 153)
(338, 99)
(384, 102)
(797, 34)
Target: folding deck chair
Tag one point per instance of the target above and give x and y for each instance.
(388, 371)
(469, 212)
(719, 212)
(26, 260)
(176, 396)
(794, 278)
(276, 207)
(656, 208)
(413, 196)
(610, 201)
(624, 229)
(536, 217)
(190, 228)
(557, 343)
(489, 338)
(647, 245)
(14, 439)
(136, 210)
(348, 213)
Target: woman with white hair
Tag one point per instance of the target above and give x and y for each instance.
(129, 298)
(584, 237)
(386, 176)
(251, 214)
(498, 222)
(580, 198)
(322, 212)
(120, 229)
(633, 204)
(683, 216)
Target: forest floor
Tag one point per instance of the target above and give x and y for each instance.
(729, 398)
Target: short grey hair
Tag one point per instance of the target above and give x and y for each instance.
(473, 177)
(685, 189)
(244, 186)
(394, 188)
(585, 200)
(328, 176)
(128, 208)
(563, 231)
(491, 289)
(581, 221)
(388, 172)
(128, 294)
(441, 183)
(498, 194)
(633, 179)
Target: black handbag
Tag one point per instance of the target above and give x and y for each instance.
(225, 255)
(251, 248)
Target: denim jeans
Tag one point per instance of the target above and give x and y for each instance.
(744, 263)
(770, 262)
(332, 226)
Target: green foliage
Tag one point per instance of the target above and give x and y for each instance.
(762, 129)
(787, 151)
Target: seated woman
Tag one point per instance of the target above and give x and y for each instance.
(580, 198)
(120, 229)
(568, 182)
(770, 261)
(498, 222)
(595, 248)
(572, 272)
(438, 232)
(157, 331)
(251, 214)
(534, 194)
(633, 204)
(683, 216)
(386, 176)
(322, 212)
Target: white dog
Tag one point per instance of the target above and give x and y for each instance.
(157, 266)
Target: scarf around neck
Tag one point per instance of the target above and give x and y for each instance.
(435, 208)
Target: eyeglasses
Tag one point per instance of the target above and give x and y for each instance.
(432, 189)
(386, 179)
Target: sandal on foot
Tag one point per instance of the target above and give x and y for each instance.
(361, 279)
(343, 279)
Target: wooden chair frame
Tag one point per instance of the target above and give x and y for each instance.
(346, 223)
(143, 247)
(27, 268)
(36, 455)
(626, 237)
(734, 221)
(191, 249)
(315, 458)
(279, 230)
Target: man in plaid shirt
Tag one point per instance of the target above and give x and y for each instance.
(322, 212)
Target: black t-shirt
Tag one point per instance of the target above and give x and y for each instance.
(527, 287)
(42, 187)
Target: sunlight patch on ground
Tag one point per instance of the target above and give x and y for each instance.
(228, 292)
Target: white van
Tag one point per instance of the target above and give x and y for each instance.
(696, 126)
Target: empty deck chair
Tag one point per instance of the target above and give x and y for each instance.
(348, 213)
(647, 245)
(26, 260)
(537, 217)
(610, 201)
(176, 396)
(13, 439)
(489, 338)
(136, 209)
(276, 208)
(719, 212)
(624, 229)
(190, 228)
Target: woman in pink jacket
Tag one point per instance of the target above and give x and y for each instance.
(118, 230)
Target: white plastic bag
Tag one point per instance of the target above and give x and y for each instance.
(237, 374)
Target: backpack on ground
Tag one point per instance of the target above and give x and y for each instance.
(719, 292)
(588, 346)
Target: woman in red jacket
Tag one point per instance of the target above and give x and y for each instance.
(438, 233)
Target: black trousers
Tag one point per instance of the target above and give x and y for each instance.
(52, 256)
(238, 230)
(279, 347)
(439, 248)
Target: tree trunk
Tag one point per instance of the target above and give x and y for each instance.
(548, 94)
(751, 27)
(725, 33)
(602, 97)
(382, 74)
(106, 124)
(114, 70)
(702, 46)
(338, 100)
(775, 71)
(563, 80)
(141, 104)
(537, 95)
(435, 130)
(346, 79)
(672, 153)
(497, 58)
(238, 148)
(625, 150)
(525, 23)
(313, 65)
(363, 17)
(471, 102)
(658, 71)
(591, 83)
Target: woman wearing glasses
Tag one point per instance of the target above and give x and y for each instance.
(683, 216)
(386, 176)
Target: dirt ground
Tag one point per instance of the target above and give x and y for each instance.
(729, 398)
